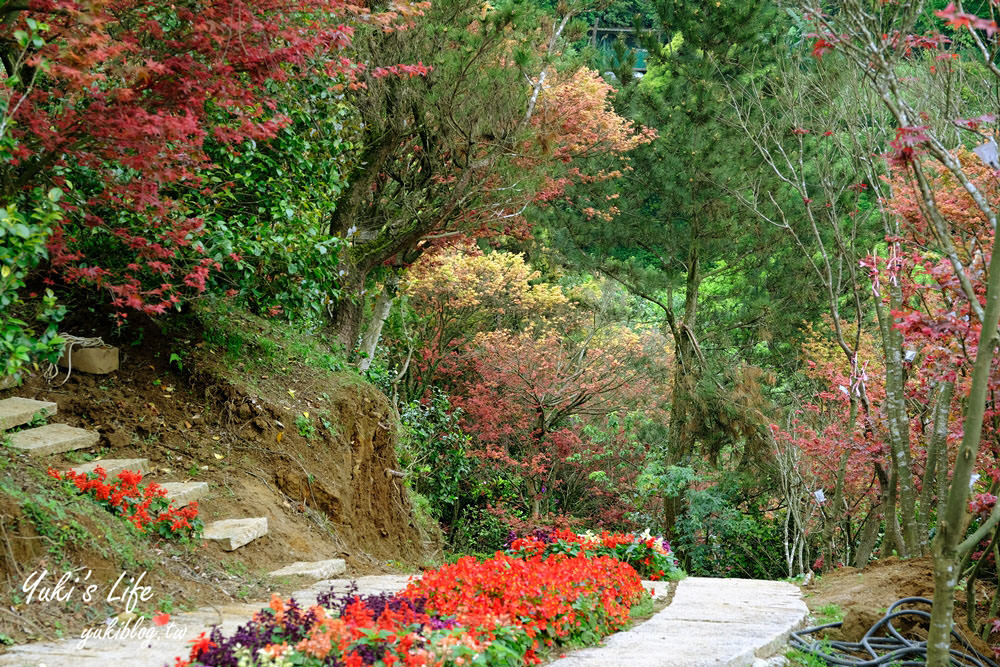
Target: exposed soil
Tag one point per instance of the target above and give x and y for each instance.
(326, 494)
(865, 595)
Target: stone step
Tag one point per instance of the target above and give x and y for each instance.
(183, 493)
(320, 569)
(19, 411)
(53, 439)
(234, 533)
(113, 466)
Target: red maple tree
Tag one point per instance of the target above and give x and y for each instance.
(114, 102)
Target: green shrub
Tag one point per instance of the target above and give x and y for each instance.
(434, 449)
(477, 530)
(24, 232)
(722, 535)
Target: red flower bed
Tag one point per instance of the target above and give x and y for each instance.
(556, 599)
(506, 611)
(145, 506)
(649, 555)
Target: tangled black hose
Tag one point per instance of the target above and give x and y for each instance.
(891, 649)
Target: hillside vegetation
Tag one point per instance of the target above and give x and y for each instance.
(419, 279)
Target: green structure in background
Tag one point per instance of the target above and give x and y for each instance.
(603, 38)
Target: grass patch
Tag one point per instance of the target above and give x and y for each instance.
(797, 658)
(265, 344)
(642, 610)
(830, 613)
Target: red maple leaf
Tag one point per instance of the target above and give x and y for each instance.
(821, 48)
(955, 18)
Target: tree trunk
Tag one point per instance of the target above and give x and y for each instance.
(351, 202)
(931, 484)
(893, 534)
(349, 313)
(838, 493)
(899, 423)
(942, 475)
(383, 306)
(948, 547)
(686, 371)
(869, 536)
(533, 493)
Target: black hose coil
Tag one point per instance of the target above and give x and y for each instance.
(893, 649)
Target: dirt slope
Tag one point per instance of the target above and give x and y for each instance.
(219, 418)
(864, 595)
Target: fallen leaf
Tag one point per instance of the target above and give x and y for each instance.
(291, 392)
(215, 437)
(306, 414)
(218, 456)
(187, 424)
(280, 435)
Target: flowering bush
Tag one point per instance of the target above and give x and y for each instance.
(145, 506)
(505, 611)
(650, 556)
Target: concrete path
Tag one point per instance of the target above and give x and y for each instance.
(724, 622)
(710, 623)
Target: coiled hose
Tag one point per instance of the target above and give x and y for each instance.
(890, 648)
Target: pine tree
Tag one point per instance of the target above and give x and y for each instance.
(675, 230)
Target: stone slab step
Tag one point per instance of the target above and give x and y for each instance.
(234, 533)
(183, 493)
(53, 439)
(113, 466)
(320, 569)
(19, 411)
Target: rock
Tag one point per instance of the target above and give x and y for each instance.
(96, 360)
(183, 493)
(234, 533)
(775, 661)
(117, 438)
(113, 466)
(53, 439)
(20, 411)
(321, 569)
